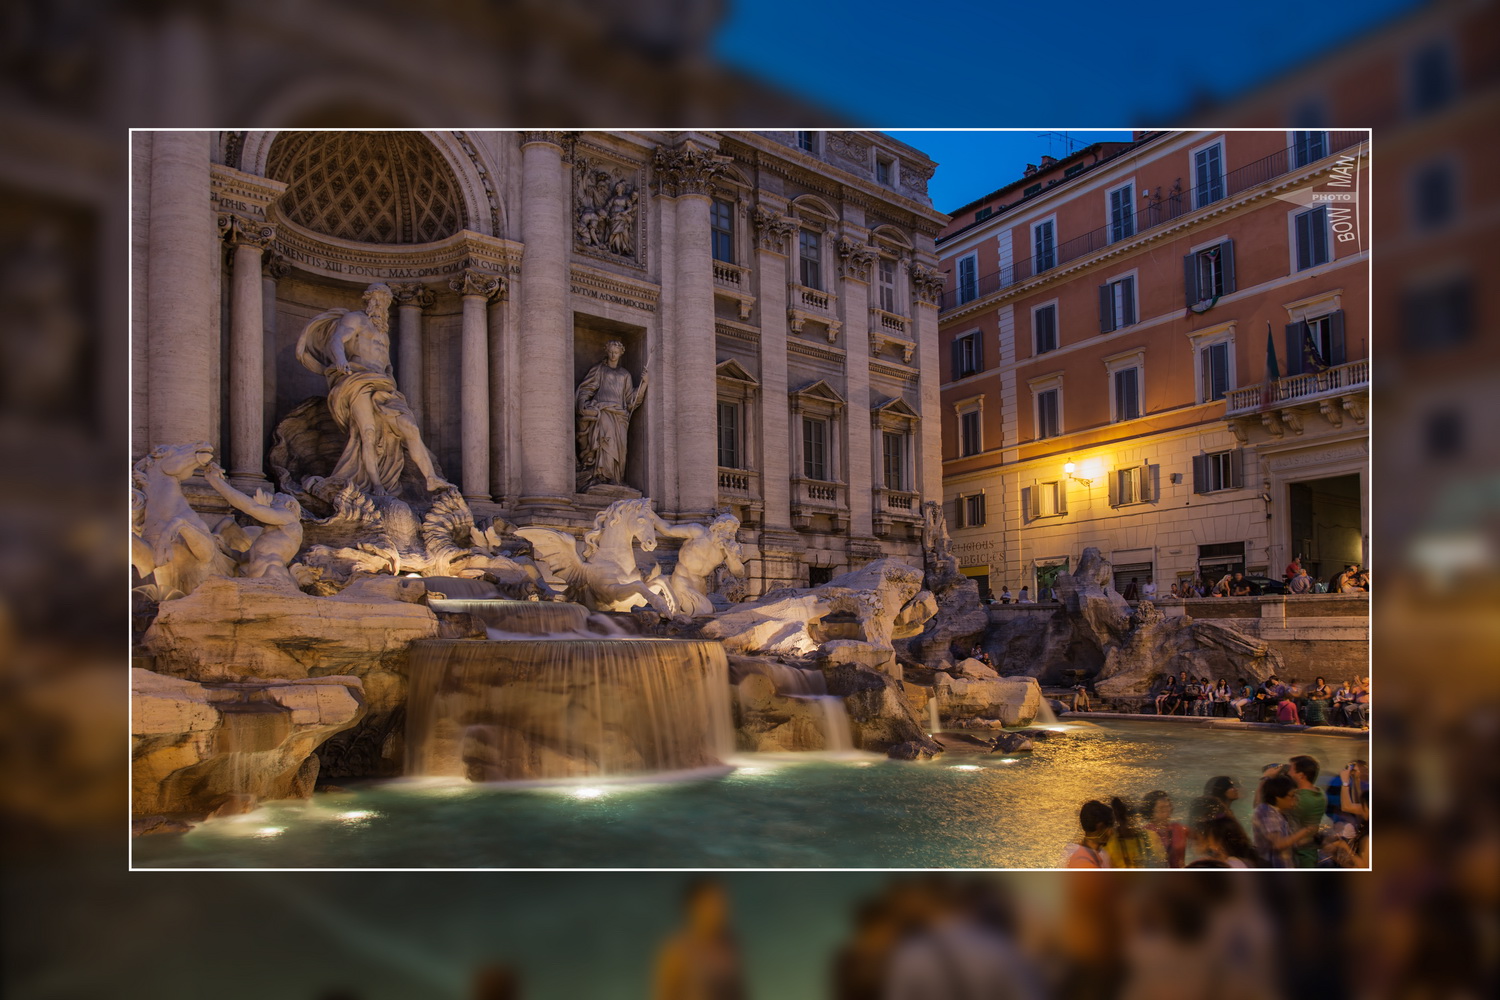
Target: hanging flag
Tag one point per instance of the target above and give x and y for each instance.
(1273, 370)
(1312, 361)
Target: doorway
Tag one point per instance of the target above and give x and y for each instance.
(1324, 516)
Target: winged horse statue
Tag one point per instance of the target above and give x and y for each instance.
(604, 575)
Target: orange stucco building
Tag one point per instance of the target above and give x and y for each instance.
(1105, 342)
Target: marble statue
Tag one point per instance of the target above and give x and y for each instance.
(621, 215)
(606, 398)
(707, 547)
(353, 351)
(170, 544)
(604, 575)
(270, 545)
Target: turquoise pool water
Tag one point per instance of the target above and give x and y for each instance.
(964, 810)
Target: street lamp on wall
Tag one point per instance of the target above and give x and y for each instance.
(1070, 469)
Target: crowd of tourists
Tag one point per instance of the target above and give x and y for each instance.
(1273, 700)
(1293, 823)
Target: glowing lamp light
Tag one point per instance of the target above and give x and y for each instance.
(1070, 469)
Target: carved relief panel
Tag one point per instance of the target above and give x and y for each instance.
(607, 219)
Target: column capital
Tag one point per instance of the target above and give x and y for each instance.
(414, 294)
(274, 266)
(686, 169)
(237, 230)
(475, 281)
(773, 231)
(855, 258)
(559, 139)
(927, 283)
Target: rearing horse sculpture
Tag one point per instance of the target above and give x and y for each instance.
(604, 577)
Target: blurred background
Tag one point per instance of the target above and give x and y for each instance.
(74, 75)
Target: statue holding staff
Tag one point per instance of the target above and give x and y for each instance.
(605, 399)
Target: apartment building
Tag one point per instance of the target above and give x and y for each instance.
(1160, 348)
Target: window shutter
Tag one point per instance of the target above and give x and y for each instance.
(956, 516)
(1317, 223)
(1128, 301)
(1190, 278)
(1336, 355)
(957, 350)
(1200, 473)
(1061, 486)
(1293, 349)
(1031, 501)
(979, 352)
(1304, 242)
(1226, 262)
(1114, 488)
(1237, 468)
(1106, 309)
(1151, 483)
(981, 510)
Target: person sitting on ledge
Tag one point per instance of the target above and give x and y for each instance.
(1301, 583)
(1025, 597)
(1176, 591)
(1132, 590)
(1239, 586)
(1167, 700)
(1148, 591)
(1005, 597)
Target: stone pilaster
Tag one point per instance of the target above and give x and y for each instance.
(855, 260)
(927, 289)
(182, 313)
(273, 267)
(411, 299)
(685, 174)
(773, 232)
(546, 404)
(476, 287)
(247, 240)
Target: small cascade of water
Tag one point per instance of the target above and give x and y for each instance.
(794, 681)
(248, 728)
(1044, 715)
(835, 724)
(566, 707)
(934, 721)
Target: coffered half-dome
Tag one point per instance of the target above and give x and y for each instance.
(370, 187)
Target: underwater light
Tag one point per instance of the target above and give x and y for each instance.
(965, 767)
(587, 793)
(270, 831)
(355, 815)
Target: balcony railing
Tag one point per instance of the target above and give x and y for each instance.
(888, 322)
(803, 297)
(898, 502)
(1293, 389)
(731, 275)
(1146, 217)
(737, 482)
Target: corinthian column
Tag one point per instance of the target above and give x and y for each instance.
(477, 288)
(411, 299)
(546, 404)
(182, 291)
(685, 174)
(248, 241)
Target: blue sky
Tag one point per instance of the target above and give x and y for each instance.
(888, 64)
(972, 164)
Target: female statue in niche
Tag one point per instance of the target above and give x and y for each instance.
(606, 398)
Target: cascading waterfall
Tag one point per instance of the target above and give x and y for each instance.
(562, 707)
(1044, 715)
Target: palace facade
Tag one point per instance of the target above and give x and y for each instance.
(780, 288)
